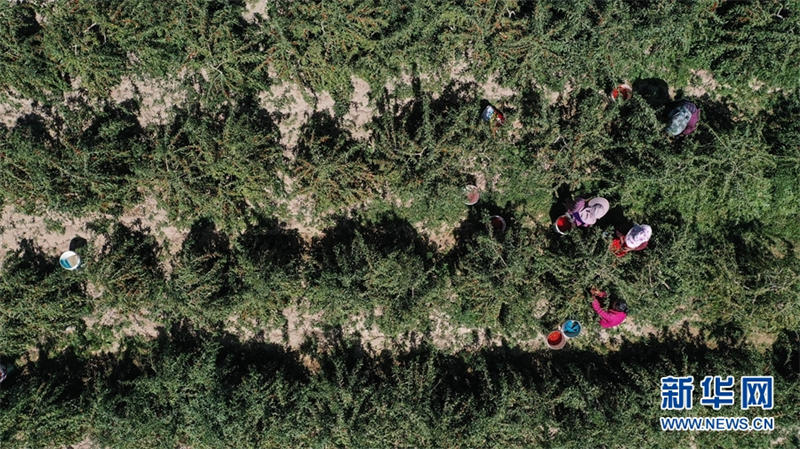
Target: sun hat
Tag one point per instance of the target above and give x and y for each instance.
(638, 235)
(594, 210)
(683, 119)
(679, 118)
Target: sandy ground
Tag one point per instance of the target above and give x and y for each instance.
(706, 84)
(443, 236)
(18, 226)
(289, 103)
(86, 443)
(157, 97)
(254, 9)
(361, 112)
(14, 108)
(135, 324)
(53, 232)
(301, 325)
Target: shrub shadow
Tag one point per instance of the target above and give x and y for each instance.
(654, 91)
(268, 243)
(476, 223)
(387, 233)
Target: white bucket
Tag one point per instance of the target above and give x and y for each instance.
(69, 260)
(471, 195)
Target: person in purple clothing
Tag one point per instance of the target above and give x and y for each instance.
(616, 313)
(586, 213)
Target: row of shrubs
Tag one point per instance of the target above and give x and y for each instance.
(193, 389)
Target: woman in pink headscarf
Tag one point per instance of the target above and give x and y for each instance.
(615, 314)
(635, 240)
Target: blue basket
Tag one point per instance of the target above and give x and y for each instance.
(571, 328)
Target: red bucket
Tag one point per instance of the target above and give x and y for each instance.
(556, 340)
(563, 224)
(498, 224)
(622, 91)
(471, 195)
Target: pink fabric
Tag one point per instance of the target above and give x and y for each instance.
(692, 125)
(609, 318)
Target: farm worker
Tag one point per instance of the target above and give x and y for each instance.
(3, 373)
(616, 313)
(635, 240)
(585, 214)
(683, 119)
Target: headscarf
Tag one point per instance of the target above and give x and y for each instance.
(638, 235)
(594, 210)
(683, 119)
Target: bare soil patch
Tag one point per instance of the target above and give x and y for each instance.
(706, 84)
(123, 325)
(288, 103)
(156, 98)
(444, 335)
(255, 10)
(300, 326)
(53, 231)
(86, 443)
(443, 236)
(371, 337)
(18, 226)
(361, 112)
(299, 209)
(493, 90)
(149, 215)
(13, 109)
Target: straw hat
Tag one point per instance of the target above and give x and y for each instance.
(594, 210)
(638, 235)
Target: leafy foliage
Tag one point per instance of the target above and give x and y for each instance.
(204, 391)
(388, 239)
